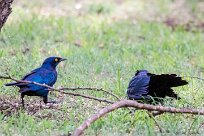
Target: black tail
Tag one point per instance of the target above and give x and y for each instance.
(171, 80)
(11, 84)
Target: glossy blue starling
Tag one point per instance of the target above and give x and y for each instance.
(147, 86)
(46, 74)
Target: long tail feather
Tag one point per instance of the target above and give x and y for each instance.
(11, 84)
(172, 80)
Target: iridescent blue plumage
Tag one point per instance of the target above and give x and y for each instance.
(46, 74)
(145, 86)
(139, 85)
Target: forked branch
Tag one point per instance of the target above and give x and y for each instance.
(134, 104)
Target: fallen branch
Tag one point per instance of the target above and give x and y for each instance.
(89, 88)
(89, 97)
(130, 103)
(60, 89)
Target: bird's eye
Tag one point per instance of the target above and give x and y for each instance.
(56, 59)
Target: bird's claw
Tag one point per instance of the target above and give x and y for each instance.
(53, 101)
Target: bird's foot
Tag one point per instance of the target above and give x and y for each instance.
(53, 101)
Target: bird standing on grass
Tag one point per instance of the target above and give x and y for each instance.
(46, 74)
(145, 86)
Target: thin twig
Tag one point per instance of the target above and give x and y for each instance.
(89, 88)
(157, 124)
(58, 90)
(89, 97)
(130, 103)
(193, 77)
(156, 113)
(191, 125)
(28, 82)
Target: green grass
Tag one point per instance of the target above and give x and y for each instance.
(109, 52)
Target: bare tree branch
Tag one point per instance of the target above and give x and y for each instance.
(90, 88)
(130, 103)
(28, 82)
(89, 97)
(60, 90)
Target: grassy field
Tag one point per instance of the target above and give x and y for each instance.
(105, 43)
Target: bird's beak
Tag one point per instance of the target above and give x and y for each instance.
(63, 59)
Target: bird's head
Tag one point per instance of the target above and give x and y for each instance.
(141, 72)
(52, 62)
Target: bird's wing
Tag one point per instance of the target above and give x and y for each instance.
(24, 78)
(43, 77)
(138, 87)
(169, 80)
(29, 74)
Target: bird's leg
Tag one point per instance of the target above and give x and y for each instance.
(52, 101)
(45, 100)
(22, 100)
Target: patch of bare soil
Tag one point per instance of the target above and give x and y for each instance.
(11, 106)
